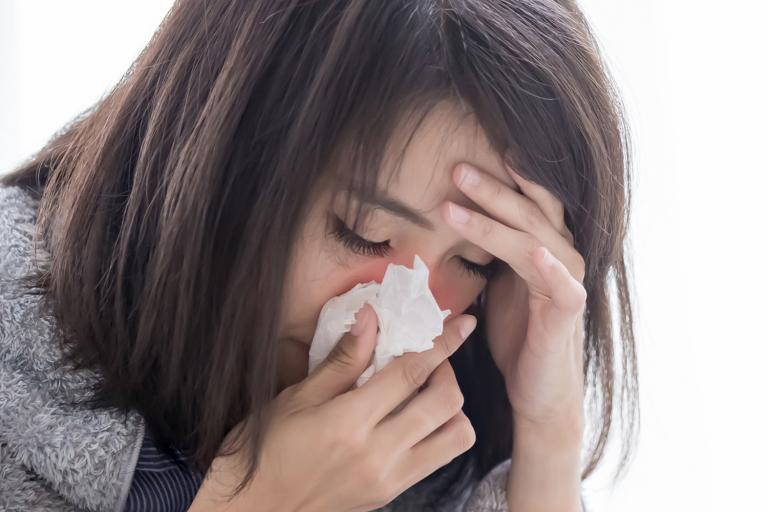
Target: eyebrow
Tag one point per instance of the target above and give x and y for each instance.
(392, 205)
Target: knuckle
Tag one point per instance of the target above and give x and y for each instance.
(357, 411)
(486, 227)
(444, 372)
(495, 193)
(451, 397)
(579, 299)
(389, 493)
(415, 372)
(290, 399)
(371, 473)
(532, 217)
(530, 243)
(464, 433)
(444, 344)
(349, 439)
(330, 435)
(581, 294)
(357, 438)
(421, 417)
(384, 493)
(567, 234)
(341, 355)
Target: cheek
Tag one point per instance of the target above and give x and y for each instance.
(360, 273)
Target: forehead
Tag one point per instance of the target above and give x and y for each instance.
(444, 138)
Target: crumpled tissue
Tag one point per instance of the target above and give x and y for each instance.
(408, 315)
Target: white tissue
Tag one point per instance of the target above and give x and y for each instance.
(409, 317)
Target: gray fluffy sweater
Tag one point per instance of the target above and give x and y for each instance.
(64, 457)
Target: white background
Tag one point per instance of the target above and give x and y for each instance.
(693, 76)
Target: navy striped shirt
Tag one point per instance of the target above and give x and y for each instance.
(162, 482)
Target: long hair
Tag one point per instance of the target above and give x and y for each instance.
(170, 204)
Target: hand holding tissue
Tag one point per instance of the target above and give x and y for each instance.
(409, 317)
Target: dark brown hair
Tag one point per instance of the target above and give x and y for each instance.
(169, 206)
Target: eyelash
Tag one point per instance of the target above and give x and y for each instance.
(359, 245)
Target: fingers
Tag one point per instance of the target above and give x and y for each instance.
(568, 296)
(440, 400)
(348, 359)
(392, 385)
(453, 438)
(508, 205)
(509, 245)
(519, 219)
(560, 313)
(550, 205)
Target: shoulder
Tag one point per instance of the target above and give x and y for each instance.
(18, 212)
(55, 448)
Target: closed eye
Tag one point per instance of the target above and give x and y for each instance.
(360, 245)
(356, 243)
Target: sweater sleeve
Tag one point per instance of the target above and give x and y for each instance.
(56, 453)
(490, 494)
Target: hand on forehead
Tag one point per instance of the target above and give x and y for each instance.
(445, 139)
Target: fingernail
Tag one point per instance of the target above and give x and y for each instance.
(457, 213)
(361, 320)
(467, 326)
(469, 176)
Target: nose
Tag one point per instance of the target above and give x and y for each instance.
(432, 262)
(432, 265)
(450, 293)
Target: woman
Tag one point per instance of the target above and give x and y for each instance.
(168, 253)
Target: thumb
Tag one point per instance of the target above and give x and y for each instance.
(346, 361)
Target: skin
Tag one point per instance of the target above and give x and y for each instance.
(324, 268)
(540, 358)
(534, 307)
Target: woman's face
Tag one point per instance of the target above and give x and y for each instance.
(324, 266)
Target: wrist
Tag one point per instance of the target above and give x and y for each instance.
(217, 491)
(545, 469)
(563, 435)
